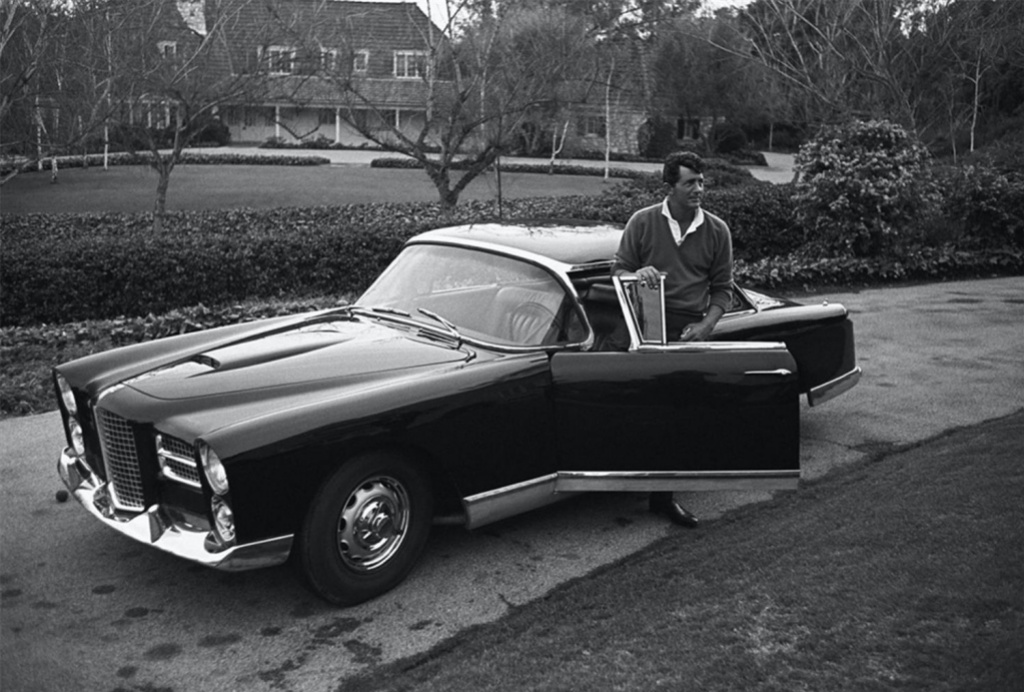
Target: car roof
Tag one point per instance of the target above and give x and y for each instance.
(576, 244)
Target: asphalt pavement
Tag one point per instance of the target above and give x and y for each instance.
(82, 607)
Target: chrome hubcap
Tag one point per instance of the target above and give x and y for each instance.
(373, 523)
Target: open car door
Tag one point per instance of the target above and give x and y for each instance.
(675, 416)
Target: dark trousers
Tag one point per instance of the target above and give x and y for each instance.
(677, 321)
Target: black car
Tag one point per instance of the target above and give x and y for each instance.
(471, 382)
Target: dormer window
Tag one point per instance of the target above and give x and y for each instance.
(328, 60)
(410, 64)
(361, 61)
(167, 49)
(279, 59)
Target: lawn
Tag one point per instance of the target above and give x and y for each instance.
(133, 188)
(903, 572)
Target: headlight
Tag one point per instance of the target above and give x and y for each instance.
(66, 395)
(77, 437)
(216, 476)
(223, 520)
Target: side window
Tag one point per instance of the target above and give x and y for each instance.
(644, 309)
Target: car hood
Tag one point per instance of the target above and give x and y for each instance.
(307, 357)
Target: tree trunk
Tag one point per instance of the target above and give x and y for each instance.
(163, 169)
(442, 181)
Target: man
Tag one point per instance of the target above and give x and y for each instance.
(693, 248)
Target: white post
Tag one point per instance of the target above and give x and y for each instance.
(277, 122)
(337, 126)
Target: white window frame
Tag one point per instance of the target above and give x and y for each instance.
(167, 49)
(328, 60)
(273, 54)
(361, 62)
(591, 126)
(410, 64)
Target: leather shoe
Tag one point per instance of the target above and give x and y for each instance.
(664, 503)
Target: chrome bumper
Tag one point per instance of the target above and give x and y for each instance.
(833, 388)
(155, 528)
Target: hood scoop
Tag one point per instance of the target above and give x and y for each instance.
(312, 357)
(259, 351)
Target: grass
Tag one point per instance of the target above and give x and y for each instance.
(905, 572)
(133, 188)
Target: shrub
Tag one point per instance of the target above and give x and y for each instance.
(187, 158)
(761, 218)
(986, 205)
(557, 168)
(860, 183)
(727, 138)
(656, 138)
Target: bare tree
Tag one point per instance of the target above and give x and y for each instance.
(481, 78)
(176, 67)
(53, 83)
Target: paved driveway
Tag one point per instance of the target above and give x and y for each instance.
(85, 608)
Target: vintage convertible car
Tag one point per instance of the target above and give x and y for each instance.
(469, 383)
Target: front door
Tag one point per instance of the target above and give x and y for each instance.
(662, 416)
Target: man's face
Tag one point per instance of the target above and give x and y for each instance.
(689, 189)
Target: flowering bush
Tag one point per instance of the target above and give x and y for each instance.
(859, 184)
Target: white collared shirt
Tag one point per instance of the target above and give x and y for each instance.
(677, 230)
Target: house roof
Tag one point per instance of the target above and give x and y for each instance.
(335, 24)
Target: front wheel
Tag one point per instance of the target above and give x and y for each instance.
(365, 529)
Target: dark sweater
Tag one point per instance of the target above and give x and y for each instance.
(699, 270)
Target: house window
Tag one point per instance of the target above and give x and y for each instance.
(167, 49)
(279, 59)
(688, 128)
(328, 61)
(325, 116)
(590, 126)
(361, 61)
(410, 64)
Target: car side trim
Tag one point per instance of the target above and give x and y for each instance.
(676, 481)
(833, 388)
(502, 503)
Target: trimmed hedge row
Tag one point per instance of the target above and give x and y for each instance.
(68, 268)
(557, 169)
(187, 158)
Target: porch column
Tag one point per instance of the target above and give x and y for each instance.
(337, 126)
(277, 122)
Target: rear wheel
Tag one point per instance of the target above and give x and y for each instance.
(366, 528)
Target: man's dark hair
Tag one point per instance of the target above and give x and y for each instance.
(680, 159)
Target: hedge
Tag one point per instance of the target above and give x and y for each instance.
(70, 267)
(73, 267)
(187, 158)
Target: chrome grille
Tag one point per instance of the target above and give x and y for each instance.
(177, 460)
(121, 460)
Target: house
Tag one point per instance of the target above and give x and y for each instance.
(305, 54)
(323, 64)
(620, 110)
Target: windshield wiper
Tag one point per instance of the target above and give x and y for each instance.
(453, 331)
(387, 311)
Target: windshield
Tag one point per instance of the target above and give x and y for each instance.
(487, 297)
